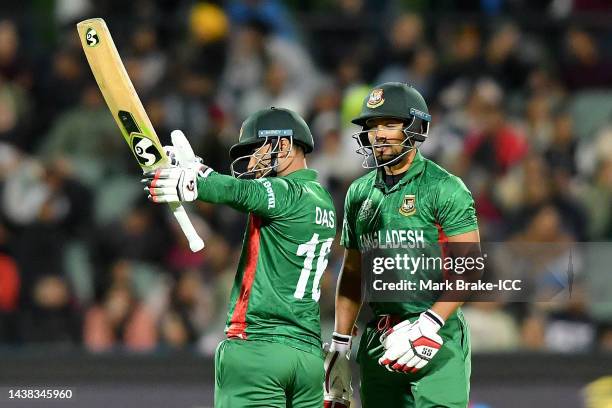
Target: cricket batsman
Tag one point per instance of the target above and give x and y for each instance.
(413, 353)
(272, 355)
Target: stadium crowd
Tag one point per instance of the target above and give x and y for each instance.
(521, 98)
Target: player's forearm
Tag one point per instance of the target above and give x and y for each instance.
(446, 309)
(347, 310)
(348, 292)
(466, 245)
(252, 196)
(348, 304)
(217, 188)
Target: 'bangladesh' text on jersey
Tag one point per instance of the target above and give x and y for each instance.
(290, 231)
(424, 208)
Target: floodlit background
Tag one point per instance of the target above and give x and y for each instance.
(94, 278)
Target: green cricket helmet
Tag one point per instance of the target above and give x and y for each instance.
(268, 127)
(392, 100)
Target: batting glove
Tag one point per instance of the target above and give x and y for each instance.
(337, 389)
(410, 346)
(177, 183)
(174, 184)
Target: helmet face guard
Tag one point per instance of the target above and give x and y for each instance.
(266, 162)
(412, 140)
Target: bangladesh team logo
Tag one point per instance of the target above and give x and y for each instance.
(376, 98)
(91, 37)
(408, 206)
(145, 151)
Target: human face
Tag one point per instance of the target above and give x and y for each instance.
(260, 161)
(387, 138)
(264, 159)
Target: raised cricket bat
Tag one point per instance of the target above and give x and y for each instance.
(126, 108)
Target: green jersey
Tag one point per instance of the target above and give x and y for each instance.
(425, 207)
(290, 230)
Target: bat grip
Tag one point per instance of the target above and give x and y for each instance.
(195, 242)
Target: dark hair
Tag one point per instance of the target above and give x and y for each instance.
(258, 25)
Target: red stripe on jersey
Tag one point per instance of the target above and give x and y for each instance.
(238, 323)
(443, 241)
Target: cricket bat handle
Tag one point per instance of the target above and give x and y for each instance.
(195, 242)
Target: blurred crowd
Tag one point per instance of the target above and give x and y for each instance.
(521, 98)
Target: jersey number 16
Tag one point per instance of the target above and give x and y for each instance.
(309, 249)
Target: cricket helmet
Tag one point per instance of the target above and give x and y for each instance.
(268, 126)
(392, 100)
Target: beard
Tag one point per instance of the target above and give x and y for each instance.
(390, 158)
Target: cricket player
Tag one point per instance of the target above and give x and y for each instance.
(417, 353)
(272, 355)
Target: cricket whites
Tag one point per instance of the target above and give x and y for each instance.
(126, 108)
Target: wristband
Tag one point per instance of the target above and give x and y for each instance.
(434, 319)
(340, 342)
(204, 171)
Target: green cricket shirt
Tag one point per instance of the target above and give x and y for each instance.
(424, 208)
(290, 231)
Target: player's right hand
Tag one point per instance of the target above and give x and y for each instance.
(410, 346)
(176, 159)
(174, 184)
(337, 389)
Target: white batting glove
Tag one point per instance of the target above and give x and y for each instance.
(176, 159)
(177, 183)
(180, 152)
(337, 389)
(174, 184)
(410, 346)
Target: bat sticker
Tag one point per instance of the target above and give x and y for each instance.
(91, 36)
(145, 151)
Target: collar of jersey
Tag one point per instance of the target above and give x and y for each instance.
(416, 168)
(303, 174)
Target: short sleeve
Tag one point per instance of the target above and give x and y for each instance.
(349, 237)
(455, 213)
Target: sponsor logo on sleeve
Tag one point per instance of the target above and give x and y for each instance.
(270, 192)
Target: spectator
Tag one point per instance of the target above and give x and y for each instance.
(253, 46)
(276, 90)
(585, 66)
(51, 318)
(406, 34)
(417, 70)
(561, 154)
(189, 312)
(119, 321)
(147, 64)
(505, 57)
(462, 66)
(14, 108)
(142, 235)
(600, 191)
(59, 90)
(272, 12)
(87, 136)
(539, 122)
(496, 146)
(492, 329)
(13, 64)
